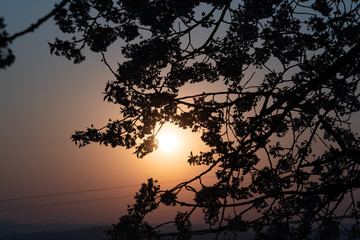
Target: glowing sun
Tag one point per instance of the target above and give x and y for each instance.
(167, 141)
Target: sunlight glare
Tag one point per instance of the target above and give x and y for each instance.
(167, 142)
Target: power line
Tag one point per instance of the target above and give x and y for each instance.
(66, 193)
(73, 192)
(79, 191)
(63, 203)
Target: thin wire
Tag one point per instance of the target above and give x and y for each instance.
(74, 192)
(80, 191)
(65, 193)
(63, 203)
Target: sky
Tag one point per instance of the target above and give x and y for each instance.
(43, 100)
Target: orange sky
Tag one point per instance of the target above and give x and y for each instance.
(43, 99)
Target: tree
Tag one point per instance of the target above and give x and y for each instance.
(7, 57)
(280, 134)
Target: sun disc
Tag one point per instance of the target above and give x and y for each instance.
(167, 142)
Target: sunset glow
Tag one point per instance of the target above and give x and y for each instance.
(167, 141)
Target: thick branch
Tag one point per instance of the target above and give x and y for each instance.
(34, 26)
(330, 72)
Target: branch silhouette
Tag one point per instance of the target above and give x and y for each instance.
(278, 120)
(6, 56)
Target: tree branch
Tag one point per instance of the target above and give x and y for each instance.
(34, 26)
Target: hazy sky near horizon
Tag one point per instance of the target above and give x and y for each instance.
(43, 100)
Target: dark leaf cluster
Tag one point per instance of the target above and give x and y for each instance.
(281, 89)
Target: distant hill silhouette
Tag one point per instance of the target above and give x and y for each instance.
(14, 231)
(92, 233)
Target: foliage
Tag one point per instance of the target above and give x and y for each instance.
(7, 57)
(283, 123)
(280, 135)
(131, 226)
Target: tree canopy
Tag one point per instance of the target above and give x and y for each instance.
(281, 132)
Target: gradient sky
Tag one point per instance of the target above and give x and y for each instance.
(43, 99)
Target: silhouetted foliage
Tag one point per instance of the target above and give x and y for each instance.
(280, 132)
(7, 57)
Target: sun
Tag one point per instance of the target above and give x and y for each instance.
(167, 141)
